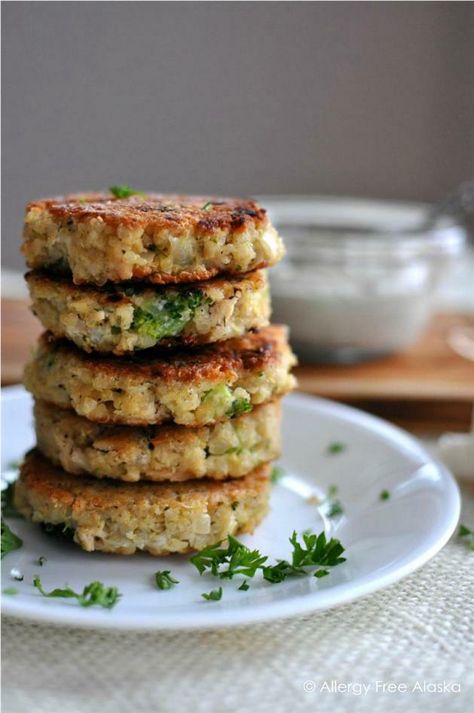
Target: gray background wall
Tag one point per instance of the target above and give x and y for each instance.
(367, 99)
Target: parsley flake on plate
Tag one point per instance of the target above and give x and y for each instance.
(164, 580)
(315, 550)
(321, 573)
(214, 595)
(280, 571)
(226, 562)
(384, 495)
(331, 505)
(93, 594)
(335, 447)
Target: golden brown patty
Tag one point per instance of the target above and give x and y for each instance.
(194, 387)
(131, 317)
(232, 448)
(156, 517)
(153, 237)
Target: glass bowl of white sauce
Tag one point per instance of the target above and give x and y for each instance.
(359, 278)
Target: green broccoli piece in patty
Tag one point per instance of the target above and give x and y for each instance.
(239, 406)
(166, 317)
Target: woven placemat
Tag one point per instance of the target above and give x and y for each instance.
(416, 634)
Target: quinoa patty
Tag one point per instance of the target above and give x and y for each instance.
(154, 237)
(130, 317)
(232, 448)
(156, 517)
(195, 387)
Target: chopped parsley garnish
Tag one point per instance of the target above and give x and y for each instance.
(467, 535)
(164, 580)
(321, 573)
(244, 586)
(316, 550)
(207, 206)
(276, 474)
(280, 571)
(214, 595)
(313, 552)
(335, 447)
(10, 590)
(166, 316)
(335, 509)
(384, 495)
(93, 594)
(226, 562)
(10, 541)
(238, 407)
(42, 560)
(124, 191)
(331, 505)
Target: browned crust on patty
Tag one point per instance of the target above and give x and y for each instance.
(115, 294)
(195, 387)
(158, 211)
(253, 352)
(159, 518)
(186, 276)
(53, 483)
(162, 239)
(158, 453)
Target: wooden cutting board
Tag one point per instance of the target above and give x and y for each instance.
(429, 388)
(430, 385)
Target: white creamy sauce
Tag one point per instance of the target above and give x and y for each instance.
(370, 310)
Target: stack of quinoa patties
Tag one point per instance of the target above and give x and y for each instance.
(158, 383)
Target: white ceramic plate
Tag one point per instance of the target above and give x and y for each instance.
(384, 540)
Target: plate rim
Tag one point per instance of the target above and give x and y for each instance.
(294, 606)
